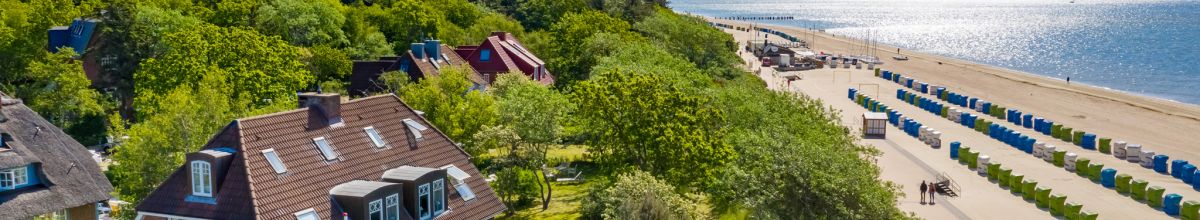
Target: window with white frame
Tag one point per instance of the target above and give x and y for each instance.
(439, 197)
(13, 177)
(325, 148)
(423, 201)
(307, 214)
(375, 137)
(393, 207)
(458, 178)
(201, 178)
(375, 208)
(273, 159)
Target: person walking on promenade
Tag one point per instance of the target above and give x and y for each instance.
(932, 191)
(923, 189)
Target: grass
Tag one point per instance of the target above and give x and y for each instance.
(566, 198)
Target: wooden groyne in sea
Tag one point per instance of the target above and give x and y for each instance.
(747, 18)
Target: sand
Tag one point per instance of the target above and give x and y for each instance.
(1156, 124)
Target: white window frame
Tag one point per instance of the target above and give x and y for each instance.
(310, 211)
(438, 196)
(203, 170)
(6, 180)
(415, 127)
(376, 207)
(273, 159)
(424, 211)
(327, 151)
(375, 137)
(20, 176)
(392, 207)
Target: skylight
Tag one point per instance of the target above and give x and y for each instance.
(465, 192)
(415, 128)
(458, 174)
(460, 182)
(325, 148)
(375, 137)
(273, 158)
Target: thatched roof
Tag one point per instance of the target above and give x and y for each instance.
(68, 175)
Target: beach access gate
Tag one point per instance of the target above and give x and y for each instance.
(874, 124)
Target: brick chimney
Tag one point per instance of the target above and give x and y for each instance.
(328, 104)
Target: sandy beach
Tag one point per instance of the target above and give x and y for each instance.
(1161, 125)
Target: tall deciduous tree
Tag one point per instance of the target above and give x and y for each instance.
(62, 94)
(568, 60)
(536, 113)
(693, 39)
(303, 22)
(448, 101)
(638, 195)
(635, 118)
(258, 68)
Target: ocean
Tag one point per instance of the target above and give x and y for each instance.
(1150, 48)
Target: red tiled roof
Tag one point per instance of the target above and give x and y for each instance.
(261, 193)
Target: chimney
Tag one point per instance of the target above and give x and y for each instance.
(329, 104)
(500, 34)
(418, 51)
(433, 49)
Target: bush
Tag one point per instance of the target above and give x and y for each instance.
(638, 195)
(517, 187)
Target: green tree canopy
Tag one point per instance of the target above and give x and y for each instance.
(61, 93)
(258, 68)
(303, 22)
(638, 195)
(692, 38)
(635, 118)
(567, 59)
(448, 100)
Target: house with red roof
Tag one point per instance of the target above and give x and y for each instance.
(503, 53)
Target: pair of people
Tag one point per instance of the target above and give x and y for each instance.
(930, 189)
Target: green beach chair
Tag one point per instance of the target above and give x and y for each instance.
(1105, 145)
(993, 170)
(1077, 138)
(1190, 210)
(1015, 181)
(1001, 114)
(973, 161)
(1043, 197)
(1003, 176)
(1122, 182)
(1029, 189)
(1154, 196)
(1066, 134)
(986, 126)
(1093, 171)
(1071, 210)
(979, 124)
(1057, 204)
(1058, 157)
(1088, 215)
(1137, 189)
(1081, 166)
(945, 112)
(1056, 131)
(963, 153)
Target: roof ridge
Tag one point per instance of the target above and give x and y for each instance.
(262, 116)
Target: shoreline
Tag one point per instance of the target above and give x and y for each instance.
(1166, 106)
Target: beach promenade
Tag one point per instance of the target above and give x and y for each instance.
(1157, 124)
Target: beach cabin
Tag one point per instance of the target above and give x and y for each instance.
(874, 125)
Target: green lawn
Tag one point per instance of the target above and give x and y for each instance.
(565, 201)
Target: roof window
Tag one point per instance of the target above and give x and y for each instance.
(415, 128)
(307, 214)
(375, 137)
(273, 158)
(325, 148)
(459, 178)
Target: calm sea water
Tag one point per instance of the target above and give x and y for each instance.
(1145, 47)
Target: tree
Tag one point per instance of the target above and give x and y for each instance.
(540, 14)
(483, 28)
(235, 13)
(366, 41)
(693, 39)
(638, 195)
(259, 69)
(631, 10)
(536, 113)
(61, 93)
(404, 21)
(567, 59)
(448, 101)
(620, 54)
(823, 173)
(635, 118)
(328, 64)
(303, 22)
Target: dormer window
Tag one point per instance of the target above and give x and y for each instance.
(325, 148)
(439, 197)
(485, 55)
(273, 159)
(414, 128)
(14, 177)
(201, 178)
(375, 137)
(376, 209)
(423, 201)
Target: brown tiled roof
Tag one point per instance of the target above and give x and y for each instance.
(68, 175)
(309, 177)
(364, 77)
